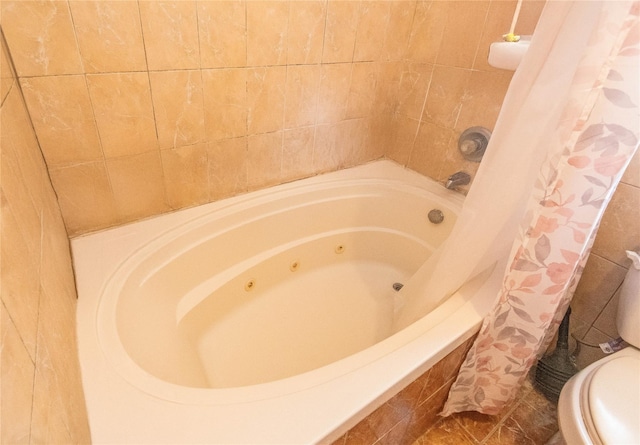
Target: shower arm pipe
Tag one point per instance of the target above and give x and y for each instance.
(511, 37)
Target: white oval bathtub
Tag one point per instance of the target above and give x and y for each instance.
(264, 318)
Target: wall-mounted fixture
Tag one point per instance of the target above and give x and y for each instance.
(473, 142)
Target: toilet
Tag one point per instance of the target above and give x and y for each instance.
(601, 403)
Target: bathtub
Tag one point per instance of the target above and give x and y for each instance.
(266, 317)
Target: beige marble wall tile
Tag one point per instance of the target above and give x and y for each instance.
(138, 185)
(606, 321)
(124, 113)
(109, 35)
(352, 135)
(62, 116)
(264, 159)
(222, 28)
(619, 229)
(178, 107)
(362, 90)
(301, 95)
(41, 37)
(265, 97)
(186, 175)
(227, 167)
(7, 76)
(58, 399)
(599, 282)
(56, 268)
(401, 144)
(427, 31)
(334, 92)
(448, 88)
(462, 32)
(483, 99)
(327, 150)
(388, 87)
(20, 291)
(18, 372)
(225, 103)
(414, 85)
(267, 36)
(297, 153)
(21, 155)
(170, 31)
(85, 197)
(305, 32)
(432, 142)
(372, 28)
(398, 30)
(340, 31)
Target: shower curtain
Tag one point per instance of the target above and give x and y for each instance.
(567, 130)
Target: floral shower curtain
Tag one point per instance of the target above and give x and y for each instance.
(592, 142)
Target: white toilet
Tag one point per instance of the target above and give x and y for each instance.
(601, 404)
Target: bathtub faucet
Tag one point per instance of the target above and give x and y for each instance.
(457, 179)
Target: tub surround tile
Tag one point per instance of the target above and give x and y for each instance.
(227, 167)
(297, 153)
(225, 103)
(20, 293)
(362, 90)
(21, 156)
(42, 400)
(464, 24)
(443, 104)
(413, 88)
(267, 32)
(178, 107)
(400, 20)
(222, 28)
(301, 95)
(340, 31)
(170, 31)
(41, 37)
(372, 26)
(264, 159)
(481, 88)
(85, 196)
(109, 35)
(138, 185)
(305, 32)
(186, 177)
(18, 372)
(62, 115)
(123, 112)
(7, 76)
(328, 153)
(265, 99)
(427, 31)
(335, 80)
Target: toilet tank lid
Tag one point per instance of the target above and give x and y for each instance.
(614, 400)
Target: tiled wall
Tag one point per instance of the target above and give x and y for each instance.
(596, 299)
(42, 399)
(143, 107)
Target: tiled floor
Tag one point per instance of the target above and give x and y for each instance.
(530, 420)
